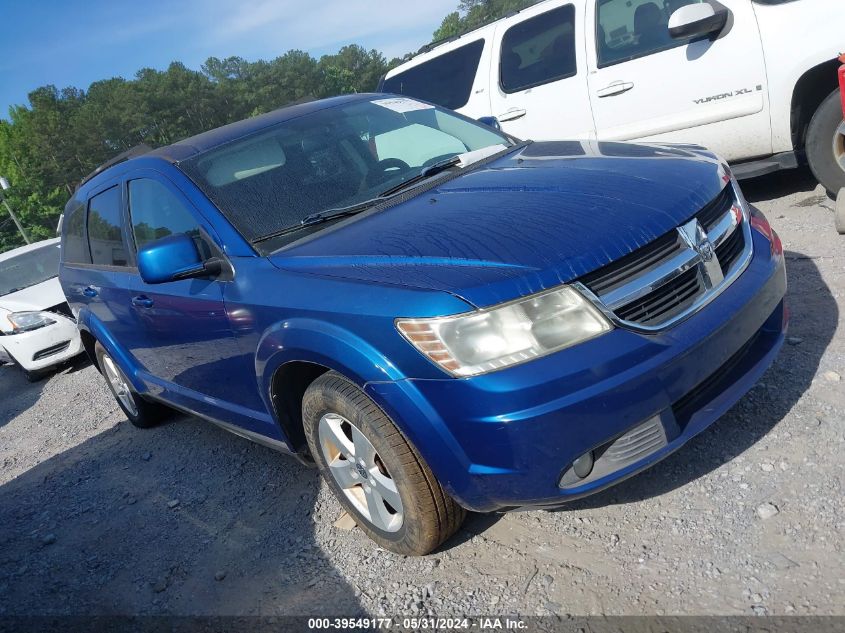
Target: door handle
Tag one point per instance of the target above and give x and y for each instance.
(512, 115)
(142, 302)
(90, 291)
(616, 88)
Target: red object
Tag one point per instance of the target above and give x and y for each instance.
(842, 82)
(759, 222)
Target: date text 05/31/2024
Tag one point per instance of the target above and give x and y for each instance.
(418, 623)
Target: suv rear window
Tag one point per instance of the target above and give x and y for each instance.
(539, 50)
(76, 248)
(445, 80)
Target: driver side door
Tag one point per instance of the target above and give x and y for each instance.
(181, 333)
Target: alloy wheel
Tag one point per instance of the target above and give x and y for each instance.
(119, 384)
(359, 471)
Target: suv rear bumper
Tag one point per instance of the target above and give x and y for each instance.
(507, 439)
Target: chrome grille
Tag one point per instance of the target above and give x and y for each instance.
(671, 277)
(667, 301)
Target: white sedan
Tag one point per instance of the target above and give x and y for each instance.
(37, 328)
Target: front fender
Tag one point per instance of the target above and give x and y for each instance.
(323, 343)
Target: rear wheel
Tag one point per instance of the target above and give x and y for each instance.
(138, 411)
(375, 474)
(825, 144)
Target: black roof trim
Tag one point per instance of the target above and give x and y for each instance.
(132, 152)
(425, 48)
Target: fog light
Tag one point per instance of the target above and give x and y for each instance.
(583, 466)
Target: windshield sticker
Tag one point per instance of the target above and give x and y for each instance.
(402, 104)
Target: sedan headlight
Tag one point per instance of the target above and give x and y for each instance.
(28, 321)
(483, 341)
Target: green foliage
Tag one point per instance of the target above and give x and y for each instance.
(46, 148)
(475, 13)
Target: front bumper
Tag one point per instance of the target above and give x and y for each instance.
(507, 439)
(44, 347)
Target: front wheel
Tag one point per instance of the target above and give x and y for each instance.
(376, 475)
(825, 144)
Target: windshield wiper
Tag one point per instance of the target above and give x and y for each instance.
(431, 170)
(332, 214)
(323, 216)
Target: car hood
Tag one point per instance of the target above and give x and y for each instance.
(38, 297)
(538, 217)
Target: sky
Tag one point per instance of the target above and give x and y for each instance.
(74, 43)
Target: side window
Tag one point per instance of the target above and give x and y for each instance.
(75, 247)
(627, 29)
(445, 80)
(539, 50)
(157, 212)
(105, 236)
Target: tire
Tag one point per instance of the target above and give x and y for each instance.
(427, 516)
(35, 376)
(825, 145)
(141, 413)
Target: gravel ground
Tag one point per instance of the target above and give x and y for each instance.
(98, 517)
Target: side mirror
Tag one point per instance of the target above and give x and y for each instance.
(490, 121)
(697, 20)
(173, 258)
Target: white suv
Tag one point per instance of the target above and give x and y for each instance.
(755, 81)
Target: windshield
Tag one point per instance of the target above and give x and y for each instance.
(29, 269)
(331, 159)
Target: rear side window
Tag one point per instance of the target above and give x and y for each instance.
(75, 247)
(105, 234)
(445, 80)
(157, 212)
(628, 29)
(539, 50)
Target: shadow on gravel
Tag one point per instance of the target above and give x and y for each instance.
(779, 184)
(814, 319)
(17, 394)
(181, 519)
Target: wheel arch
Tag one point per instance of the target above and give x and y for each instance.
(91, 331)
(88, 343)
(287, 389)
(810, 90)
(294, 353)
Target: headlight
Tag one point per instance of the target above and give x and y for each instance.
(28, 321)
(478, 342)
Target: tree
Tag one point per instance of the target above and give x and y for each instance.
(472, 14)
(47, 147)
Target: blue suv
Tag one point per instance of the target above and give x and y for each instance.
(441, 317)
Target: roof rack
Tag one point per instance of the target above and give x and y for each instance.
(432, 45)
(132, 152)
